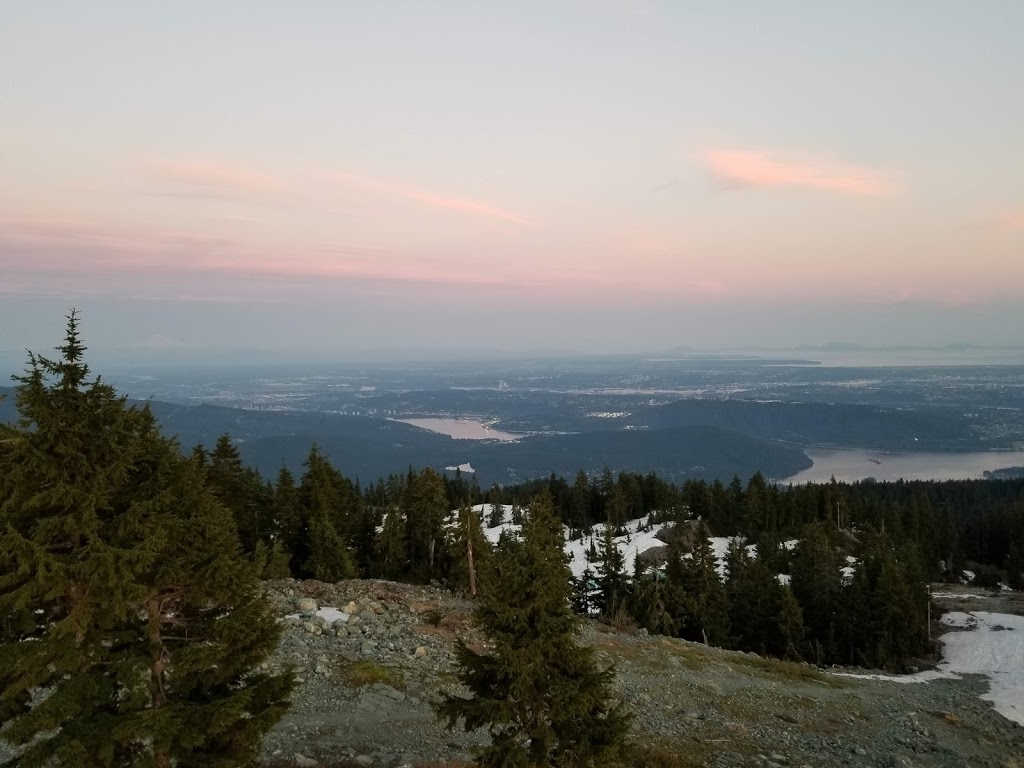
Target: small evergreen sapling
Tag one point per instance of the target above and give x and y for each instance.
(537, 691)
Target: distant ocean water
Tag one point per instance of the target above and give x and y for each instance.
(852, 465)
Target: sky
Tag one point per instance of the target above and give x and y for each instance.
(598, 176)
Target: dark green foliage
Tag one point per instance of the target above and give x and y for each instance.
(123, 593)
(469, 536)
(391, 561)
(326, 498)
(538, 692)
(612, 583)
(701, 606)
(1015, 568)
(763, 615)
(426, 508)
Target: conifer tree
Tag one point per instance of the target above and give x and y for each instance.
(125, 600)
(1015, 567)
(538, 692)
(654, 603)
(612, 582)
(791, 624)
(326, 498)
(391, 561)
(242, 492)
(707, 617)
(468, 540)
(497, 516)
(290, 519)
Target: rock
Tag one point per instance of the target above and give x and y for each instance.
(306, 605)
(420, 652)
(352, 608)
(305, 762)
(364, 760)
(368, 648)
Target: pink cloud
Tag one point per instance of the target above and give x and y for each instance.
(213, 176)
(1011, 222)
(78, 257)
(757, 168)
(436, 199)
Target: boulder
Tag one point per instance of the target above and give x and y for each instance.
(656, 555)
(685, 533)
(306, 605)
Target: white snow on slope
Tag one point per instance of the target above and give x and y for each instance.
(982, 643)
(632, 542)
(994, 648)
(331, 615)
(721, 544)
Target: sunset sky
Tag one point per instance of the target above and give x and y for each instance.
(599, 176)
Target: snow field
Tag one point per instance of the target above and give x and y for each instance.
(981, 643)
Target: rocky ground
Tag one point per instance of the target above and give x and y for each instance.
(366, 686)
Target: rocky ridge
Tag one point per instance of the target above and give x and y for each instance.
(370, 669)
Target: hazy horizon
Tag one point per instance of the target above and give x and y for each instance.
(594, 177)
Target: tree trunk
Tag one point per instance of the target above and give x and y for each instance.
(158, 664)
(469, 553)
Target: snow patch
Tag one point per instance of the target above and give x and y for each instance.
(467, 467)
(332, 615)
(981, 643)
(632, 542)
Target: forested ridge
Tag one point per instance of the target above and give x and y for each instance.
(369, 447)
(325, 525)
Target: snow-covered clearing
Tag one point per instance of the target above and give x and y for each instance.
(981, 643)
(631, 543)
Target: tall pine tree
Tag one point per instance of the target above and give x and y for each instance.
(126, 602)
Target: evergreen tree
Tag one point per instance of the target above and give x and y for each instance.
(290, 520)
(791, 624)
(391, 561)
(654, 604)
(242, 492)
(1015, 567)
(705, 617)
(538, 691)
(497, 516)
(108, 539)
(426, 508)
(817, 586)
(327, 501)
(469, 540)
(580, 500)
(612, 582)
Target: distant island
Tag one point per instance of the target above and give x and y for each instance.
(1007, 473)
